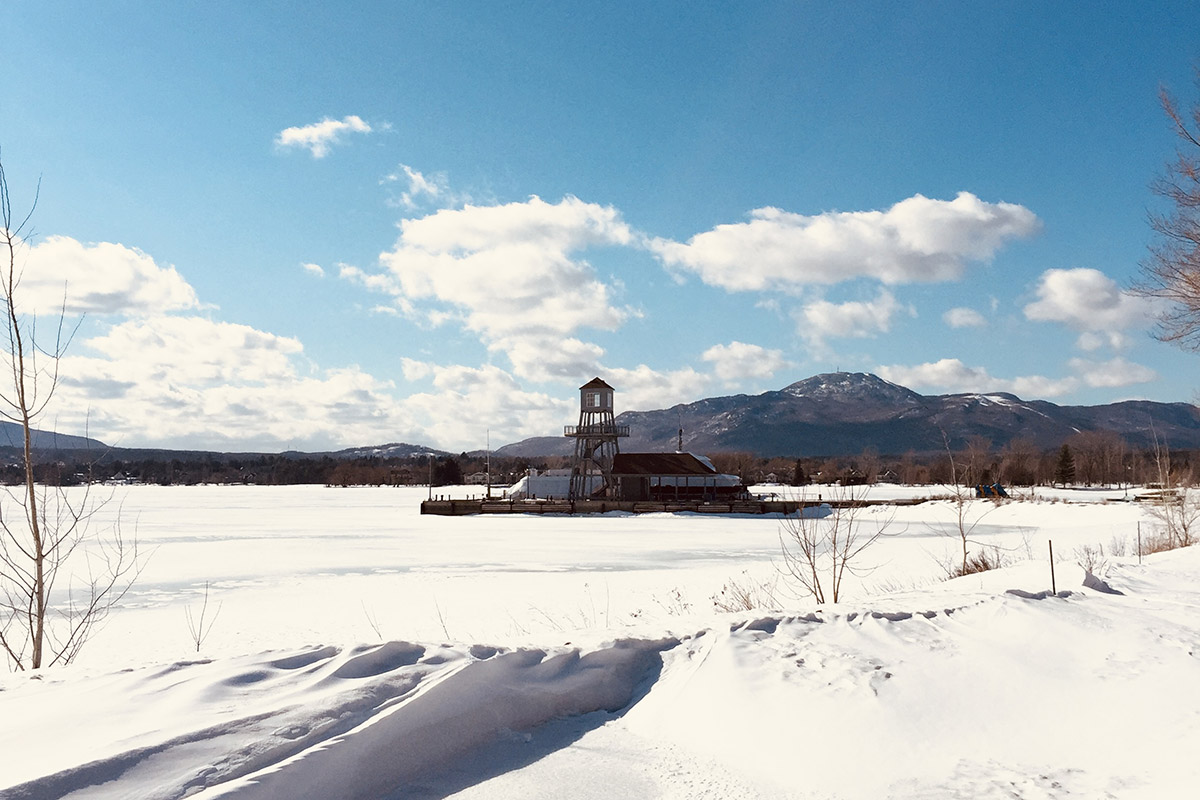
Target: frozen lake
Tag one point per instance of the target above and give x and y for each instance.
(311, 564)
(364, 651)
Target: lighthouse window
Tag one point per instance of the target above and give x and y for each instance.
(593, 399)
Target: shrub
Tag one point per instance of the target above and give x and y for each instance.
(746, 593)
(984, 560)
(1091, 558)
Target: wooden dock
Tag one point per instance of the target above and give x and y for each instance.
(466, 507)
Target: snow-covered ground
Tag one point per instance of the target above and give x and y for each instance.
(364, 651)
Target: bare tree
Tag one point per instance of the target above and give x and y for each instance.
(1176, 509)
(821, 549)
(200, 626)
(967, 515)
(1098, 456)
(1172, 270)
(1019, 462)
(46, 542)
(978, 451)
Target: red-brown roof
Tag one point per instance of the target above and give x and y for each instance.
(659, 464)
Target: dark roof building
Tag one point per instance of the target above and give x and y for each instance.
(671, 476)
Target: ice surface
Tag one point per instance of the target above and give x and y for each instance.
(362, 650)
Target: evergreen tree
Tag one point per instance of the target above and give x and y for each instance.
(447, 472)
(799, 478)
(1064, 470)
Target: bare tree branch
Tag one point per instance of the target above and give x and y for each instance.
(47, 544)
(1171, 271)
(823, 545)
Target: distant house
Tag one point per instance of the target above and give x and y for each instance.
(476, 479)
(671, 476)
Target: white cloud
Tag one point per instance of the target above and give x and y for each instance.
(314, 269)
(645, 389)
(433, 188)
(541, 359)
(320, 136)
(100, 278)
(189, 381)
(964, 318)
(916, 240)
(513, 274)
(196, 351)
(823, 320)
(467, 402)
(1039, 386)
(1113, 373)
(950, 375)
(1092, 303)
(738, 361)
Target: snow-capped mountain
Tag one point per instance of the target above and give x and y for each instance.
(844, 413)
(852, 387)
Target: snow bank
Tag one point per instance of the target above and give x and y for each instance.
(317, 723)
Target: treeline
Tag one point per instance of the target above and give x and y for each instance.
(67, 468)
(1087, 459)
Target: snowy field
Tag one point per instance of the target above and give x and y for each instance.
(361, 650)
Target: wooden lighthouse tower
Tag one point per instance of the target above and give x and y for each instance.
(596, 438)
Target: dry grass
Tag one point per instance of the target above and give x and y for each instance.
(746, 593)
(982, 560)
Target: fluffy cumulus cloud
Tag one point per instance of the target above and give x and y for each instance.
(319, 137)
(465, 403)
(196, 351)
(1092, 303)
(644, 388)
(99, 278)
(514, 274)
(950, 375)
(1113, 373)
(823, 320)
(490, 398)
(189, 381)
(916, 240)
(964, 318)
(738, 361)
(545, 358)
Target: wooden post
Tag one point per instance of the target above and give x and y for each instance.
(1053, 586)
(1139, 542)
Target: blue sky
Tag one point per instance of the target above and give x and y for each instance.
(312, 225)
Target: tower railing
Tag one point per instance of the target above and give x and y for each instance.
(596, 429)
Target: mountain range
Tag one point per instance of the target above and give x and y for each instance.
(834, 414)
(844, 413)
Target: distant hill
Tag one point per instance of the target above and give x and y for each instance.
(392, 450)
(844, 413)
(12, 435)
